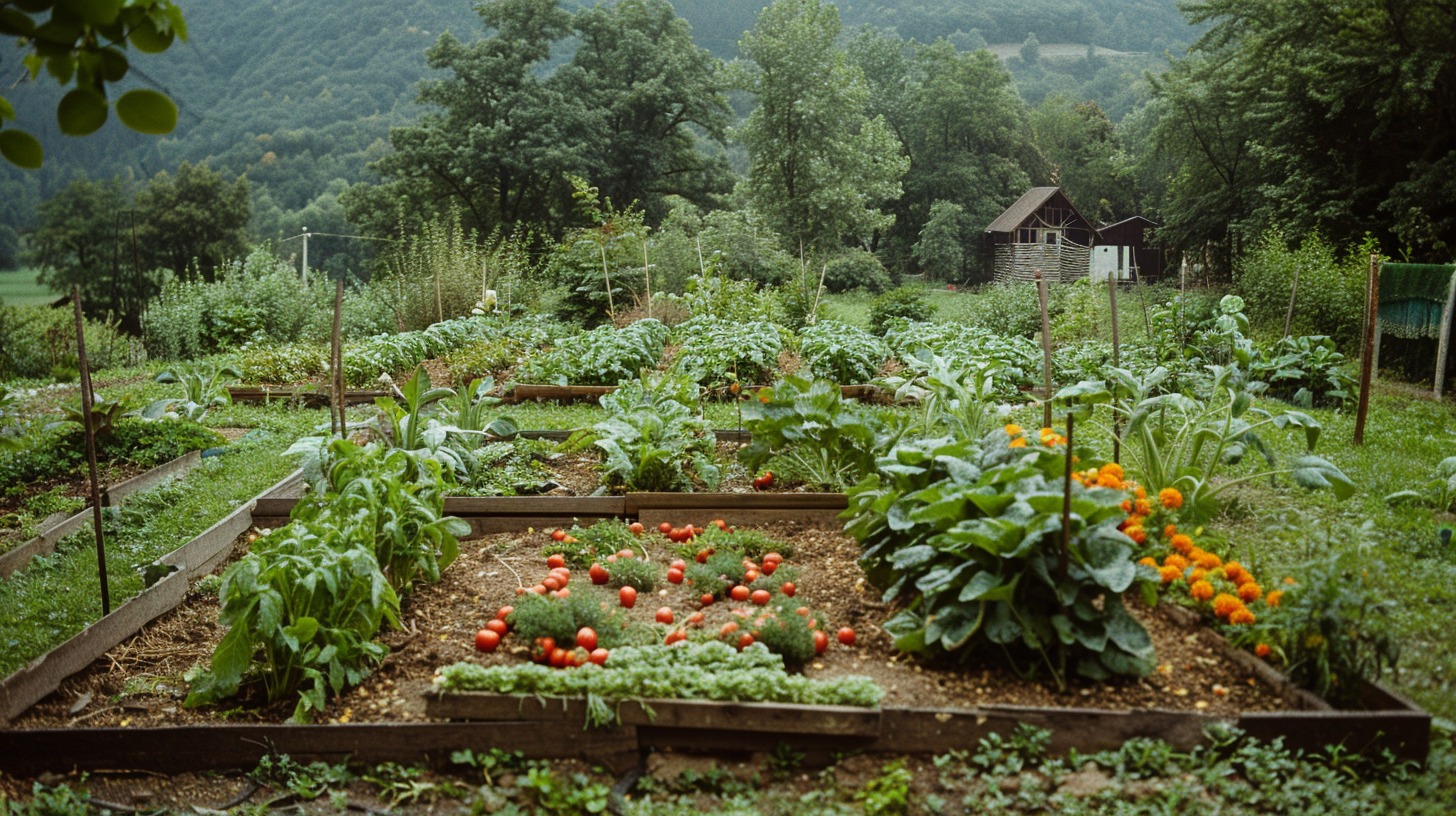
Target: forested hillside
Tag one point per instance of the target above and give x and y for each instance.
(299, 97)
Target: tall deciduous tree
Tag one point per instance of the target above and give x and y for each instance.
(1085, 157)
(820, 167)
(193, 220)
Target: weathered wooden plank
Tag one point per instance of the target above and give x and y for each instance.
(1407, 734)
(827, 519)
(175, 469)
(31, 683)
(198, 748)
(789, 503)
(1087, 729)
(704, 715)
(558, 393)
(490, 525)
(535, 505)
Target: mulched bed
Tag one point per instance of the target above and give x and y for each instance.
(140, 682)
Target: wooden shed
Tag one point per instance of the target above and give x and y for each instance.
(1129, 240)
(1041, 231)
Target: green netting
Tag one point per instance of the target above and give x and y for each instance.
(1413, 298)
(1415, 282)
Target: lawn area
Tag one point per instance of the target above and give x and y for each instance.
(18, 288)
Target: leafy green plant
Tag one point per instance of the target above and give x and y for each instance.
(1019, 359)
(829, 440)
(954, 398)
(603, 356)
(718, 573)
(403, 424)
(1178, 441)
(307, 782)
(714, 351)
(637, 573)
(969, 540)
(1438, 492)
(653, 439)
(537, 616)
(888, 793)
(840, 352)
(1306, 371)
(785, 632)
(1332, 628)
(469, 412)
(906, 303)
(486, 357)
(204, 387)
(584, 546)
(309, 606)
(282, 362)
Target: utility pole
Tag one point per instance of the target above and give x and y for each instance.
(303, 274)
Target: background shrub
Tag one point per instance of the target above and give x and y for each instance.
(856, 269)
(907, 302)
(1330, 299)
(38, 342)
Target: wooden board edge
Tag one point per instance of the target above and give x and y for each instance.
(177, 468)
(703, 715)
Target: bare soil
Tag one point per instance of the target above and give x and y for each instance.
(141, 681)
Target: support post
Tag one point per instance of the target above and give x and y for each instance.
(87, 402)
(1116, 363)
(336, 361)
(1046, 348)
(1372, 310)
(647, 275)
(1444, 343)
(1293, 289)
(303, 271)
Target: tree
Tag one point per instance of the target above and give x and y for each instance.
(82, 238)
(1085, 157)
(941, 250)
(193, 220)
(82, 43)
(500, 141)
(820, 167)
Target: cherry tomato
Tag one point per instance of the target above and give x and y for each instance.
(556, 560)
(739, 593)
(788, 588)
(821, 641)
(486, 640)
(760, 597)
(636, 528)
(674, 576)
(665, 527)
(846, 636)
(599, 574)
(627, 596)
(504, 612)
(558, 535)
(586, 638)
(498, 626)
(599, 656)
(664, 615)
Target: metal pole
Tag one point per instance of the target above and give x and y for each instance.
(1372, 309)
(86, 405)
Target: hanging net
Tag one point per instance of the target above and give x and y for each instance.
(1413, 298)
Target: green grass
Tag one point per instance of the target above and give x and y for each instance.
(59, 595)
(18, 288)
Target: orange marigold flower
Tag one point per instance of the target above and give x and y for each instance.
(1136, 534)
(1224, 604)
(1149, 561)
(1250, 592)
(1045, 432)
(1262, 650)
(1143, 507)
(1197, 574)
(1180, 542)
(1208, 560)
(1232, 570)
(1170, 574)
(1109, 480)
(1170, 531)
(1077, 477)
(1170, 498)
(1127, 505)
(1053, 441)
(1200, 590)
(1013, 429)
(1018, 442)
(1112, 468)
(1288, 580)
(1274, 597)
(1241, 616)
(1175, 560)
(1140, 492)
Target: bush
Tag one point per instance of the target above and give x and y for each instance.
(906, 303)
(856, 269)
(842, 353)
(285, 363)
(38, 342)
(1330, 298)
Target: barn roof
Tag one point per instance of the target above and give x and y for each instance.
(1030, 201)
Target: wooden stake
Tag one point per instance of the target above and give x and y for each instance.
(336, 361)
(1046, 348)
(647, 275)
(1372, 311)
(611, 307)
(1444, 344)
(1067, 508)
(1293, 289)
(87, 403)
(439, 303)
(1116, 363)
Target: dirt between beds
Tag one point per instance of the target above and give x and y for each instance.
(140, 683)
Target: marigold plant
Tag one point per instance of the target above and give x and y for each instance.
(1170, 498)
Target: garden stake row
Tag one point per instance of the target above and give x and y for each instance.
(1116, 362)
(87, 402)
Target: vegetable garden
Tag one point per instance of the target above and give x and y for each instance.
(734, 548)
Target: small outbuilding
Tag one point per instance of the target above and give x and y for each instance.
(1128, 248)
(1043, 232)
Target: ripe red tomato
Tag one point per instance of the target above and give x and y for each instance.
(788, 588)
(664, 615)
(558, 659)
(564, 592)
(707, 599)
(627, 596)
(498, 626)
(728, 628)
(636, 528)
(744, 641)
(702, 556)
(665, 527)
(486, 640)
(739, 593)
(695, 619)
(774, 557)
(764, 481)
(558, 535)
(846, 636)
(556, 560)
(561, 574)
(678, 564)
(544, 647)
(674, 636)
(720, 524)
(599, 656)
(599, 574)
(760, 597)
(750, 575)
(551, 582)
(626, 553)
(504, 612)
(674, 576)
(821, 641)
(539, 589)
(586, 638)
(803, 610)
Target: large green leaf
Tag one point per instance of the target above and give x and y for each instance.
(953, 627)
(21, 149)
(147, 111)
(1108, 559)
(82, 112)
(1315, 473)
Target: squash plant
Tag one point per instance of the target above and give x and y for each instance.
(828, 440)
(966, 538)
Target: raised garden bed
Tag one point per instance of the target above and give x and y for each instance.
(104, 713)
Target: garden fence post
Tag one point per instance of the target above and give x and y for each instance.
(1293, 289)
(1444, 344)
(647, 275)
(1372, 309)
(89, 422)
(336, 360)
(1046, 348)
(1116, 363)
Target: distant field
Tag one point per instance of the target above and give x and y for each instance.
(18, 288)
